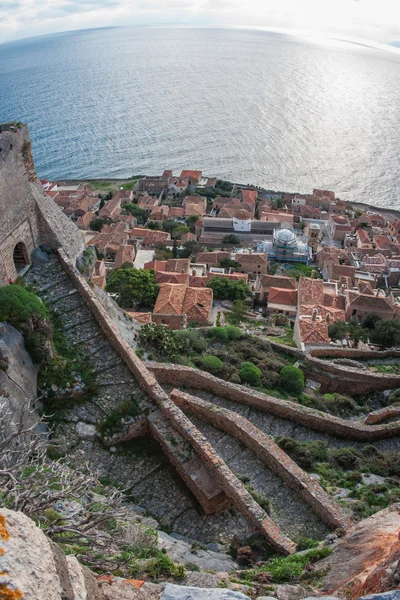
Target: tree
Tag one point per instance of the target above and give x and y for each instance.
(250, 373)
(190, 221)
(98, 224)
(153, 225)
(386, 333)
(338, 330)
(135, 287)
(370, 320)
(228, 289)
(139, 213)
(238, 311)
(227, 263)
(213, 364)
(190, 248)
(175, 249)
(292, 380)
(231, 238)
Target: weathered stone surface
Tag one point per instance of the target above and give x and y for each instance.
(28, 562)
(178, 592)
(86, 431)
(63, 565)
(199, 579)
(366, 559)
(393, 595)
(290, 592)
(39, 258)
(77, 579)
(181, 552)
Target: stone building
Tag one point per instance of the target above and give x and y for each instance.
(28, 218)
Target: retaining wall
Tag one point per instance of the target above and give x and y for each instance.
(353, 430)
(228, 482)
(268, 452)
(339, 378)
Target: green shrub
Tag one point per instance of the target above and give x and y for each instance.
(234, 333)
(211, 363)
(250, 373)
(37, 345)
(19, 307)
(219, 333)
(292, 380)
(347, 458)
(305, 454)
(191, 340)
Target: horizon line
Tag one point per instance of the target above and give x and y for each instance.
(389, 46)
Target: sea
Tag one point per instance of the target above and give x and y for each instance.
(286, 112)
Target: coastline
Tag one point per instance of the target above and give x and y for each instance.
(358, 205)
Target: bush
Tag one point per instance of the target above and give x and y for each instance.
(211, 363)
(234, 333)
(219, 333)
(20, 307)
(161, 339)
(191, 340)
(305, 454)
(250, 373)
(292, 380)
(346, 458)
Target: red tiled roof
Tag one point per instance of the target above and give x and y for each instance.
(168, 277)
(282, 296)
(178, 265)
(249, 196)
(268, 281)
(311, 291)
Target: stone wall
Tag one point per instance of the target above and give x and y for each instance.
(27, 215)
(224, 477)
(268, 452)
(339, 378)
(194, 378)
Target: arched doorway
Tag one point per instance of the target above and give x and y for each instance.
(20, 256)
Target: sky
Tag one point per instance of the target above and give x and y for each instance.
(371, 20)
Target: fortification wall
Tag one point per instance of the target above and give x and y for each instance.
(268, 452)
(28, 217)
(352, 430)
(339, 378)
(224, 477)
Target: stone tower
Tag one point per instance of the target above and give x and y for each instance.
(314, 233)
(28, 218)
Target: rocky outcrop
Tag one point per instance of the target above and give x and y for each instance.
(177, 592)
(34, 568)
(366, 560)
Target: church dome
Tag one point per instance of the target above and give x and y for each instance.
(285, 235)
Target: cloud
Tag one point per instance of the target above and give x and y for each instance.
(377, 20)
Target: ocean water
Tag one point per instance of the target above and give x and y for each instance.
(289, 113)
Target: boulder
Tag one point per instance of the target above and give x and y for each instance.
(184, 552)
(287, 591)
(85, 431)
(179, 592)
(366, 560)
(35, 568)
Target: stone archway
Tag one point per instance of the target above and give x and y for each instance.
(20, 257)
